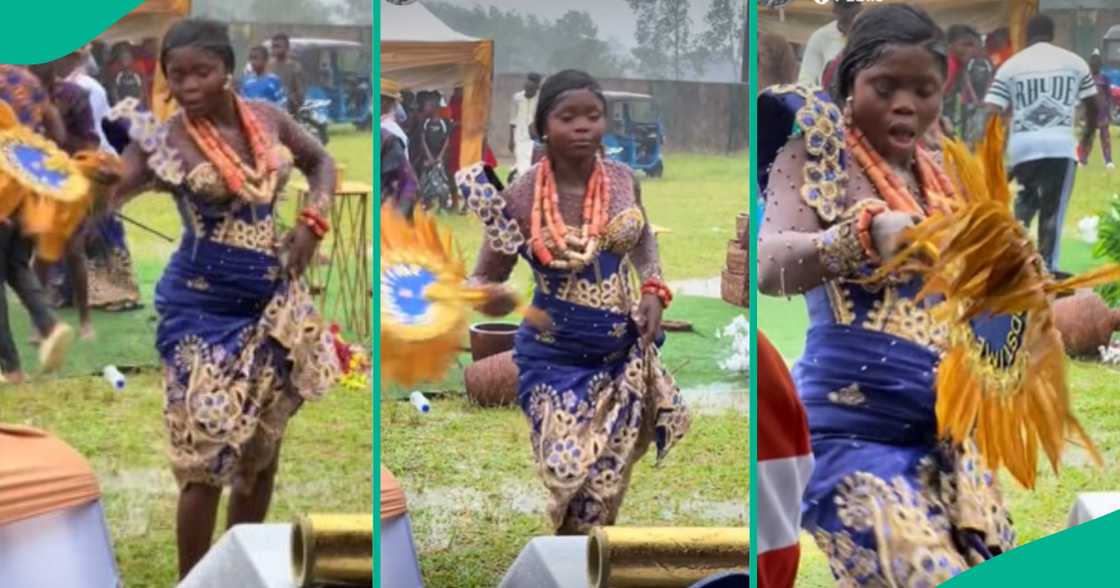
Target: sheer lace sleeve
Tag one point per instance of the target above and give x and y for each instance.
(502, 237)
(493, 266)
(645, 255)
(798, 249)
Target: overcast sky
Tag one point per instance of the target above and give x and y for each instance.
(614, 17)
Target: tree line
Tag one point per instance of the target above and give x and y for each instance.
(667, 43)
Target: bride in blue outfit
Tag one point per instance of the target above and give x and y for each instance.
(592, 385)
(889, 502)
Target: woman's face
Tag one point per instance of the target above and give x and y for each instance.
(576, 124)
(965, 48)
(896, 99)
(197, 79)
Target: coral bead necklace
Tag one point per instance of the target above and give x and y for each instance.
(937, 186)
(256, 183)
(550, 240)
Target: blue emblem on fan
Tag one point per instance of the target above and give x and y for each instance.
(403, 289)
(1001, 337)
(32, 161)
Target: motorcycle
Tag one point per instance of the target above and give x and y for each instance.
(312, 117)
(362, 99)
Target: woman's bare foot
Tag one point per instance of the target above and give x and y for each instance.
(54, 347)
(15, 378)
(86, 332)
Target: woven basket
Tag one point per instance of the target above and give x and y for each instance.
(743, 229)
(737, 257)
(492, 381)
(733, 288)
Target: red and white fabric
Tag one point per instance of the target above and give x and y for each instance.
(785, 461)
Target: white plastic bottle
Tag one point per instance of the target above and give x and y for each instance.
(417, 399)
(114, 377)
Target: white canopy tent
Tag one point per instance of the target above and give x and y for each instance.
(419, 51)
(798, 19)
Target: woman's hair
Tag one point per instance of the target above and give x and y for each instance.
(776, 61)
(116, 53)
(875, 31)
(209, 35)
(958, 32)
(557, 84)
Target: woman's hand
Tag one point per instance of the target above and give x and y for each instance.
(500, 300)
(887, 229)
(301, 244)
(649, 318)
(109, 170)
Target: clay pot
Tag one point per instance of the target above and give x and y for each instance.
(491, 339)
(1085, 322)
(492, 381)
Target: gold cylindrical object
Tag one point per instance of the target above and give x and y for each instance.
(333, 549)
(664, 557)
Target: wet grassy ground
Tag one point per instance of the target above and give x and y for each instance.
(473, 493)
(326, 461)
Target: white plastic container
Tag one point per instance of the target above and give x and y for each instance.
(417, 399)
(114, 377)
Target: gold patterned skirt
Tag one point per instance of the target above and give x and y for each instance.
(887, 502)
(595, 400)
(242, 350)
(943, 515)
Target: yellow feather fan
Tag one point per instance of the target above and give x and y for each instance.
(51, 191)
(425, 298)
(980, 259)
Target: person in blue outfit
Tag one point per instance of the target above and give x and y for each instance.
(260, 84)
(889, 502)
(241, 342)
(592, 386)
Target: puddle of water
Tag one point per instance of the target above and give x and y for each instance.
(705, 287)
(441, 512)
(132, 496)
(527, 499)
(145, 481)
(716, 399)
(716, 512)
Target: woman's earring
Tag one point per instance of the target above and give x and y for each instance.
(848, 111)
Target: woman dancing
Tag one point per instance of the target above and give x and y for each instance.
(592, 385)
(68, 280)
(241, 342)
(889, 503)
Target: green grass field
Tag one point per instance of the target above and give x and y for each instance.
(474, 497)
(326, 464)
(1043, 511)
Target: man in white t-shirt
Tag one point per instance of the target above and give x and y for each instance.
(1042, 86)
(98, 100)
(522, 111)
(827, 42)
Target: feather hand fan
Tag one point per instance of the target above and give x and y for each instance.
(51, 191)
(425, 298)
(1007, 392)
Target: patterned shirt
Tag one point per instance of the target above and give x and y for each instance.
(23, 92)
